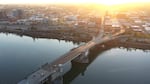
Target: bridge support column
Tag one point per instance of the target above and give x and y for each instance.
(83, 57)
(57, 68)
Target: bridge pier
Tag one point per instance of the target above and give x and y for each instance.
(82, 58)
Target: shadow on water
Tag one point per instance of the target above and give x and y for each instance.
(79, 68)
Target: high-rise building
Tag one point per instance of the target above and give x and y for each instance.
(3, 15)
(17, 13)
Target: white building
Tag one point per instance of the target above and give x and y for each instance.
(38, 19)
(147, 27)
(71, 18)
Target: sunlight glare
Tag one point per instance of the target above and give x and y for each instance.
(105, 2)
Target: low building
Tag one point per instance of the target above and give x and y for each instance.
(147, 27)
(81, 23)
(136, 28)
(38, 20)
(108, 23)
(70, 18)
(91, 24)
(54, 21)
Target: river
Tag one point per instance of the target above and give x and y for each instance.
(21, 55)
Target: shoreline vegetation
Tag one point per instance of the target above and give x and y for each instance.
(75, 35)
(70, 34)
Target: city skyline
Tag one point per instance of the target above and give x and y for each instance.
(105, 2)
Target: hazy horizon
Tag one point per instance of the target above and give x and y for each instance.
(104, 2)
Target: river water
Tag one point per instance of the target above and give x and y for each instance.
(21, 55)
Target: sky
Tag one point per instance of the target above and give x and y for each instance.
(105, 2)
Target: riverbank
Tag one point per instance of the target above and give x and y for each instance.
(126, 44)
(63, 33)
(70, 34)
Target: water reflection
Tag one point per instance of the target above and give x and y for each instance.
(19, 56)
(104, 73)
(80, 68)
(116, 63)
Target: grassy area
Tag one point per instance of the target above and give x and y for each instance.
(141, 35)
(137, 34)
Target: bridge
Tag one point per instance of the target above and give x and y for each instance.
(46, 71)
